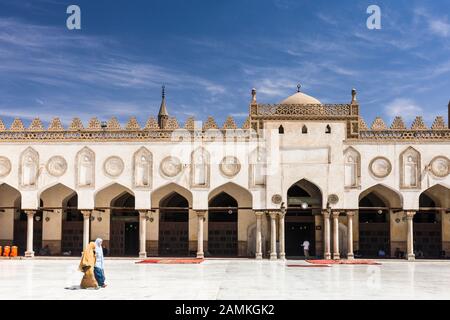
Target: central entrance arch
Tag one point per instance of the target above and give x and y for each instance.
(173, 226)
(223, 225)
(304, 202)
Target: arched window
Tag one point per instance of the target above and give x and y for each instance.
(410, 168)
(304, 129)
(328, 129)
(352, 168)
(281, 130)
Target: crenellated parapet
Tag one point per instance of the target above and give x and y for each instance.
(113, 130)
(398, 131)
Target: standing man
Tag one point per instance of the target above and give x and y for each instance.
(305, 246)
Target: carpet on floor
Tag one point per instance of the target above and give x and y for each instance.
(352, 262)
(171, 261)
(307, 266)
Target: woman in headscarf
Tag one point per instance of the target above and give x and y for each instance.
(87, 265)
(99, 266)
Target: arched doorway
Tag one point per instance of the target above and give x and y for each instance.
(173, 226)
(10, 203)
(124, 226)
(72, 227)
(427, 228)
(304, 201)
(375, 205)
(223, 226)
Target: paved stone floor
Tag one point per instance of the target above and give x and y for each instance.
(228, 279)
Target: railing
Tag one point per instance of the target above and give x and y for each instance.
(127, 135)
(442, 134)
(330, 110)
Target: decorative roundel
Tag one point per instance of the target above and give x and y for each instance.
(276, 199)
(5, 166)
(171, 166)
(380, 167)
(440, 166)
(230, 166)
(113, 166)
(56, 166)
(333, 199)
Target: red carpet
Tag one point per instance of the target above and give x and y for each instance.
(307, 266)
(354, 262)
(171, 261)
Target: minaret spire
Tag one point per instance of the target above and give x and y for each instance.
(163, 115)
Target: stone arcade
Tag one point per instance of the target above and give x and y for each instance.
(298, 170)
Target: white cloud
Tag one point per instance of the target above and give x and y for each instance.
(406, 108)
(440, 27)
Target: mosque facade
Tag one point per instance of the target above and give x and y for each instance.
(297, 170)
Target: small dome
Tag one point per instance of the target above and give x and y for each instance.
(300, 98)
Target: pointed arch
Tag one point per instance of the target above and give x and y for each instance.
(9, 196)
(304, 191)
(85, 168)
(439, 194)
(352, 168)
(410, 166)
(29, 169)
(304, 129)
(242, 195)
(55, 195)
(200, 168)
(105, 196)
(163, 192)
(389, 196)
(143, 169)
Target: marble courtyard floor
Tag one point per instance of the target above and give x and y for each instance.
(228, 279)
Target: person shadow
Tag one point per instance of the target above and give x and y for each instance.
(79, 288)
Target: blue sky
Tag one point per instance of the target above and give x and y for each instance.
(209, 54)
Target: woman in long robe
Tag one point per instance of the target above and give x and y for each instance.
(87, 264)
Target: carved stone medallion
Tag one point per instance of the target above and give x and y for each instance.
(276, 199)
(113, 166)
(440, 166)
(230, 166)
(333, 199)
(5, 166)
(56, 166)
(171, 166)
(380, 167)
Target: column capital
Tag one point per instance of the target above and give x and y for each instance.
(201, 213)
(259, 213)
(351, 213)
(273, 214)
(326, 213)
(282, 214)
(30, 212)
(410, 214)
(336, 214)
(143, 213)
(86, 213)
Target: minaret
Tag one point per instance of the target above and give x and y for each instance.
(163, 116)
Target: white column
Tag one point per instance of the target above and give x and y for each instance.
(86, 225)
(273, 235)
(350, 215)
(30, 219)
(326, 231)
(336, 254)
(258, 249)
(410, 240)
(201, 221)
(282, 215)
(143, 234)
